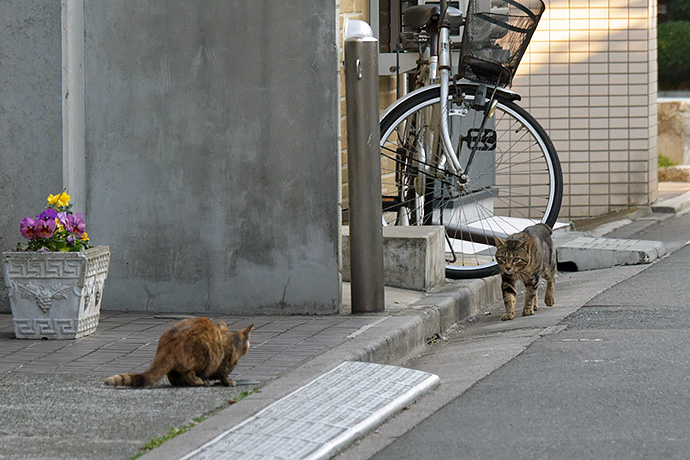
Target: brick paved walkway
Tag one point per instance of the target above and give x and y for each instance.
(126, 342)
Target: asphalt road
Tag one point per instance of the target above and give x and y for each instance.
(609, 381)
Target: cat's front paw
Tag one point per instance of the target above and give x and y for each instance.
(527, 312)
(508, 316)
(229, 382)
(549, 300)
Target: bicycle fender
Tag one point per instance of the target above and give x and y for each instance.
(513, 96)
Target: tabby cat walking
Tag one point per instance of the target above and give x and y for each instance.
(191, 353)
(527, 255)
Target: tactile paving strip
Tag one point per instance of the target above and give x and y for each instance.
(322, 417)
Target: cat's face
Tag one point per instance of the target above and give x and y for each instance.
(235, 341)
(244, 333)
(513, 254)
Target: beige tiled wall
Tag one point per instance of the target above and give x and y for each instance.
(355, 9)
(590, 79)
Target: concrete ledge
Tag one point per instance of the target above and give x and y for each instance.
(413, 257)
(588, 253)
(674, 205)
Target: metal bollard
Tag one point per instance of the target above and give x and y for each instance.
(364, 169)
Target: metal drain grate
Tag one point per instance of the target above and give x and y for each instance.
(322, 417)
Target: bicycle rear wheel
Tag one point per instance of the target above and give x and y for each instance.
(514, 179)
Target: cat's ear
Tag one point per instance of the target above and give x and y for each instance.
(222, 325)
(500, 243)
(247, 329)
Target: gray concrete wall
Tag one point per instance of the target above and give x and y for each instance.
(30, 114)
(211, 143)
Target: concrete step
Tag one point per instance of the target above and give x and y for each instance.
(579, 251)
(413, 257)
(674, 205)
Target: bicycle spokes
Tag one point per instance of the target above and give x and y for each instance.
(508, 181)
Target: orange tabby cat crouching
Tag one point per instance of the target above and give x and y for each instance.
(191, 353)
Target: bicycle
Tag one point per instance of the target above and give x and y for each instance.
(459, 151)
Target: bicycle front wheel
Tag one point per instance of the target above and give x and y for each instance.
(513, 175)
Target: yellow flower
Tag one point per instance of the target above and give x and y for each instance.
(61, 199)
(85, 237)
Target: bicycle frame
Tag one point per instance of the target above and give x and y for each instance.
(444, 69)
(444, 79)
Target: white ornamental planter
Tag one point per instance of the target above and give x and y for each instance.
(56, 295)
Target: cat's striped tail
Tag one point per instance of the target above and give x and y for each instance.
(128, 380)
(159, 368)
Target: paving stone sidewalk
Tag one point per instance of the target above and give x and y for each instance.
(126, 342)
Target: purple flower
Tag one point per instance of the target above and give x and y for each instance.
(48, 214)
(62, 217)
(45, 223)
(45, 228)
(80, 226)
(27, 228)
(69, 223)
(76, 224)
(70, 240)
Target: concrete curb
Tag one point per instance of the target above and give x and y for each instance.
(674, 205)
(408, 330)
(460, 300)
(400, 333)
(587, 253)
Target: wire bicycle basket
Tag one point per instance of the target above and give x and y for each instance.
(495, 38)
